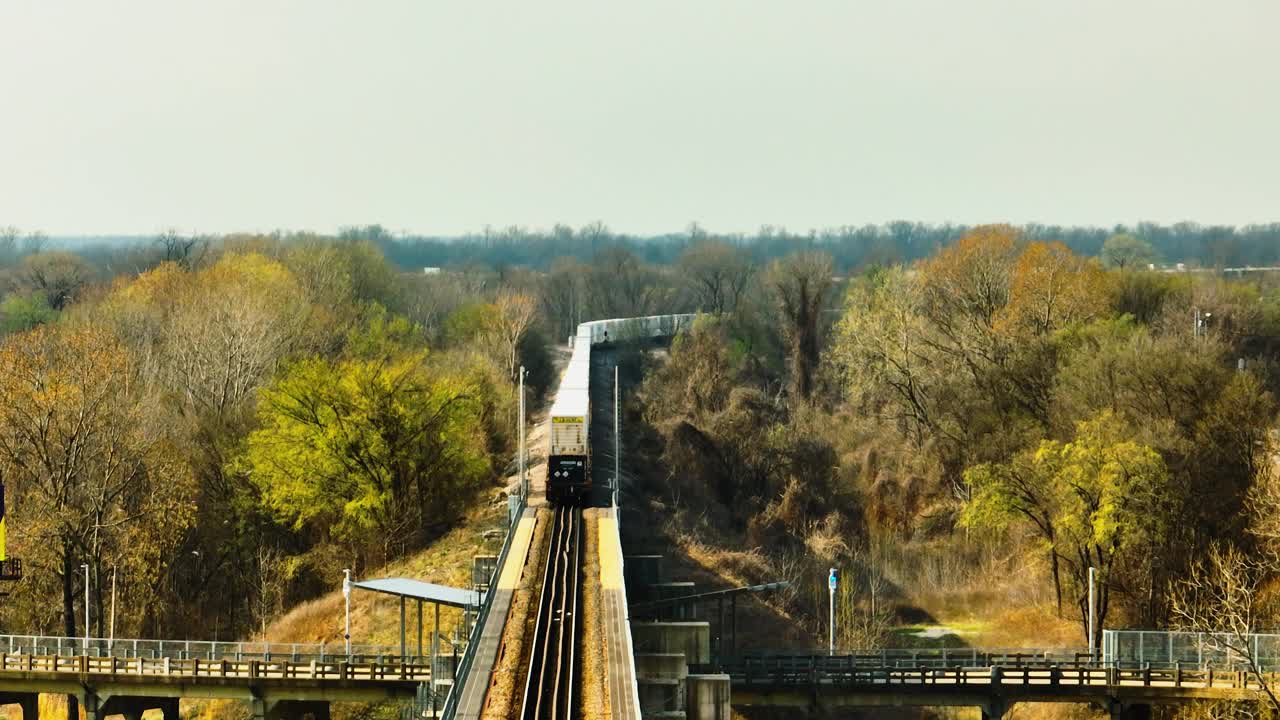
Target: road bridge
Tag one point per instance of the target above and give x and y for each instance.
(932, 680)
(277, 689)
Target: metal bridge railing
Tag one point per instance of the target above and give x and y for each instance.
(41, 645)
(463, 668)
(1165, 649)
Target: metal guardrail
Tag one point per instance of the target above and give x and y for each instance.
(463, 669)
(222, 669)
(42, 645)
(861, 671)
(924, 658)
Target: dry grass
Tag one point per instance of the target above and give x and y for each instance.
(375, 618)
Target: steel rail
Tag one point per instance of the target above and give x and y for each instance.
(552, 670)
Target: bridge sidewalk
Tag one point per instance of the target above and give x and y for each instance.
(624, 697)
(471, 703)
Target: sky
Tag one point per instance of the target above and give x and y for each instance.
(425, 116)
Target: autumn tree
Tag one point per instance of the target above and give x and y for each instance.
(1052, 287)
(229, 327)
(716, 273)
(93, 479)
(965, 287)
(800, 284)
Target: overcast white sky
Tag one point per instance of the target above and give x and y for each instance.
(130, 116)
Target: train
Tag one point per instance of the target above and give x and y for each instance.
(569, 440)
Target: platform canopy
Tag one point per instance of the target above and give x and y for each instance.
(424, 591)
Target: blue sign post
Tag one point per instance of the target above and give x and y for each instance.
(833, 581)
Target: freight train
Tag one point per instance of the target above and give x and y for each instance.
(569, 451)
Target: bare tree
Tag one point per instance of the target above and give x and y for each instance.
(58, 275)
(516, 313)
(8, 244)
(800, 283)
(269, 588)
(717, 273)
(184, 250)
(1223, 597)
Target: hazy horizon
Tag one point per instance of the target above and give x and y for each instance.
(130, 117)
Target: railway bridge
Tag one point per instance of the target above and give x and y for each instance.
(655, 665)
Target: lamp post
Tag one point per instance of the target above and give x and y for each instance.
(112, 640)
(346, 595)
(85, 567)
(1092, 605)
(524, 482)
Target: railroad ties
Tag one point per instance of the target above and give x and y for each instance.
(552, 681)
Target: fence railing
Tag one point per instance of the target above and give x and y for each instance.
(463, 668)
(866, 670)
(193, 649)
(1166, 649)
(333, 669)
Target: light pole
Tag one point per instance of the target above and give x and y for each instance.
(1092, 610)
(85, 567)
(833, 579)
(617, 433)
(112, 640)
(346, 595)
(524, 482)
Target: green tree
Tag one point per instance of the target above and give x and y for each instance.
(358, 446)
(19, 313)
(1126, 252)
(1091, 502)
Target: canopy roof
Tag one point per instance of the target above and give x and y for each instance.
(428, 592)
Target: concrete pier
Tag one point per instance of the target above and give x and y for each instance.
(691, 639)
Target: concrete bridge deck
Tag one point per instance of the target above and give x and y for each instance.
(278, 689)
(823, 681)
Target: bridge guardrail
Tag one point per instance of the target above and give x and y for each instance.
(223, 668)
(856, 671)
(1167, 648)
(193, 649)
(463, 667)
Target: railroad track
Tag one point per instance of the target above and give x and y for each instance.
(552, 681)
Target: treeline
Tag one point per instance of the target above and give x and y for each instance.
(220, 429)
(850, 247)
(1003, 388)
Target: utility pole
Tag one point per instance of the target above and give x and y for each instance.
(617, 436)
(524, 485)
(346, 595)
(111, 642)
(1092, 610)
(85, 567)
